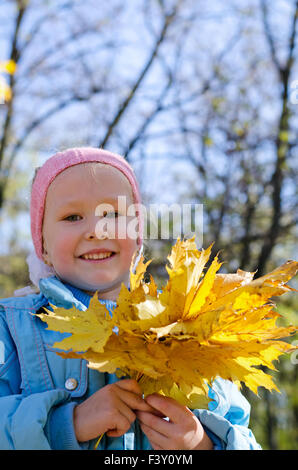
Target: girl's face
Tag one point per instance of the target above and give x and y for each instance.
(71, 228)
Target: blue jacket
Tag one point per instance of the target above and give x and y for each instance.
(36, 403)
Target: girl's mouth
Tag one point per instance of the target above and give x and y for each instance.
(98, 257)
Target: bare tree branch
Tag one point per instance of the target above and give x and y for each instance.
(35, 124)
(14, 56)
(124, 105)
(268, 35)
(282, 149)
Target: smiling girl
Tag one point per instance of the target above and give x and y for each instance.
(49, 402)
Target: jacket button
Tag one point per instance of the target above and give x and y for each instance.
(71, 384)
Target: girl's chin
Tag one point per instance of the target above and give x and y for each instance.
(103, 288)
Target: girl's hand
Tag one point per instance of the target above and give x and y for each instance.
(110, 410)
(183, 431)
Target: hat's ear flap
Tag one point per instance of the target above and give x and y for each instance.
(38, 269)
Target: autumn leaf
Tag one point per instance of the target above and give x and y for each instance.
(177, 341)
(8, 67)
(5, 91)
(203, 291)
(137, 277)
(90, 330)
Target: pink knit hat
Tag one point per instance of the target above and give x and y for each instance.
(59, 162)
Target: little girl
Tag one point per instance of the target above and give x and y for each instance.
(48, 402)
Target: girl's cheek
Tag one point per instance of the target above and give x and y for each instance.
(127, 228)
(64, 246)
(122, 228)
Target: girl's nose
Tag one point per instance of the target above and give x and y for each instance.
(91, 233)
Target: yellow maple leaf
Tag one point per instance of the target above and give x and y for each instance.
(8, 66)
(90, 330)
(5, 91)
(177, 341)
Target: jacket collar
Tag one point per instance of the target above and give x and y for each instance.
(65, 295)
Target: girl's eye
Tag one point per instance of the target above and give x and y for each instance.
(73, 218)
(111, 214)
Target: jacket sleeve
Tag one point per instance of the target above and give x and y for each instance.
(227, 419)
(41, 421)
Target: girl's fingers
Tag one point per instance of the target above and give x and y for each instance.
(156, 446)
(155, 412)
(169, 407)
(135, 402)
(122, 420)
(127, 412)
(155, 437)
(131, 395)
(122, 426)
(155, 422)
(129, 384)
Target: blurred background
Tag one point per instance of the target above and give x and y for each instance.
(200, 97)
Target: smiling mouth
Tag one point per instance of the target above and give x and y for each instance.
(98, 256)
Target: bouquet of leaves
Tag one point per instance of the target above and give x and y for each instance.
(178, 340)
